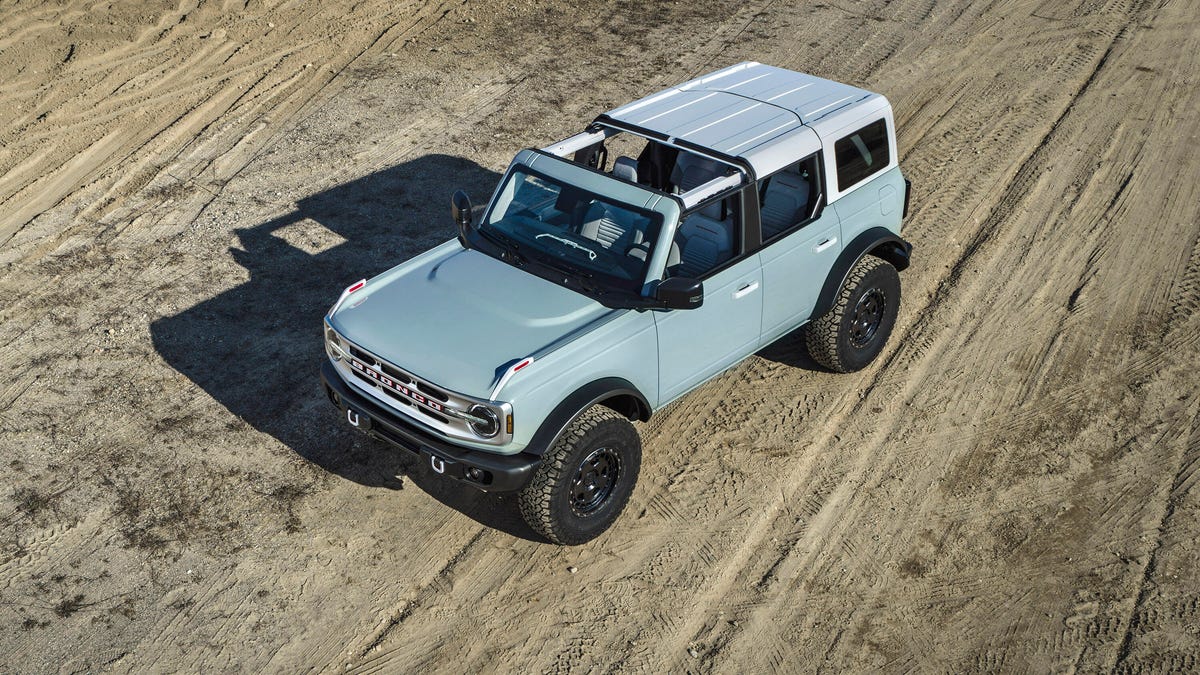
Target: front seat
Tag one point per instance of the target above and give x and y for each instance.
(706, 244)
(600, 224)
(625, 168)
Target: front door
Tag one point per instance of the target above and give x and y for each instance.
(695, 344)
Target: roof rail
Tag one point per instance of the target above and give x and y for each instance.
(712, 188)
(578, 142)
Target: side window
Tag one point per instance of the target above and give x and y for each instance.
(861, 154)
(790, 197)
(707, 238)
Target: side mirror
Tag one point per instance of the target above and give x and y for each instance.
(460, 210)
(680, 293)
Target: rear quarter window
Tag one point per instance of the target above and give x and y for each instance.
(861, 154)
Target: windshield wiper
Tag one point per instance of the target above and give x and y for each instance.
(582, 277)
(510, 249)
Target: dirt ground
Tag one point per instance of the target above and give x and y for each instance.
(185, 188)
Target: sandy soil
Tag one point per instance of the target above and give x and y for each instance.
(186, 187)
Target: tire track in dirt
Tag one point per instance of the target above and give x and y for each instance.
(168, 87)
(246, 108)
(30, 548)
(440, 581)
(1186, 461)
(1000, 214)
(219, 161)
(1152, 365)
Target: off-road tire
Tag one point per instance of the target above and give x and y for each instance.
(841, 339)
(549, 503)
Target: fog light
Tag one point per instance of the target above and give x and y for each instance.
(475, 474)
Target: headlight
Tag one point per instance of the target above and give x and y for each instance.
(333, 344)
(484, 421)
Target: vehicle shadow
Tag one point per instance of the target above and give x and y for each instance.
(790, 350)
(257, 348)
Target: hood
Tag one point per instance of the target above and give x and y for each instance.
(459, 318)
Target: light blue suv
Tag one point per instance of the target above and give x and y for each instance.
(591, 292)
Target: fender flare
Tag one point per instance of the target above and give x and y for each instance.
(878, 241)
(580, 400)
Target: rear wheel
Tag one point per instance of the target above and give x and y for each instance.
(853, 332)
(585, 480)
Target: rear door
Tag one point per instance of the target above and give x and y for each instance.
(801, 241)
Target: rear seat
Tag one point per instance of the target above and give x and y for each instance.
(785, 202)
(692, 171)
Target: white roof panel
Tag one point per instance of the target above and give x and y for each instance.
(712, 119)
(808, 96)
(739, 108)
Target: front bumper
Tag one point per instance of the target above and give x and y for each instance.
(482, 470)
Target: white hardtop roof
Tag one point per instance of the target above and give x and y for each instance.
(745, 111)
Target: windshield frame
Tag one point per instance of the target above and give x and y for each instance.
(608, 289)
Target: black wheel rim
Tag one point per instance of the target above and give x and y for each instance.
(594, 480)
(868, 314)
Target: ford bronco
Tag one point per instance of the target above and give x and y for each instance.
(590, 293)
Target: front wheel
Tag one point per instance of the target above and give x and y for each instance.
(853, 332)
(585, 480)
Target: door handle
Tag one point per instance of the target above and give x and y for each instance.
(745, 290)
(824, 245)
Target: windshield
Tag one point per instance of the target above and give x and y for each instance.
(573, 230)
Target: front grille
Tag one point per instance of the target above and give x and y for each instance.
(434, 415)
(391, 394)
(430, 391)
(383, 366)
(440, 410)
(396, 373)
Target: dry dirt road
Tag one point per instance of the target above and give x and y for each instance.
(186, 187)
